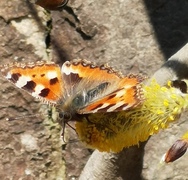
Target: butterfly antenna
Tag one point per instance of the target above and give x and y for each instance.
(70, 126)
(21, 117)
(63, 133)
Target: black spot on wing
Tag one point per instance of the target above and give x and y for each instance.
(120, 108)
(14, 77)
(96, 107)
(72, 78)
(53, 81)
(105, 109)
(44, 92)
(111, 96)
(30, 86)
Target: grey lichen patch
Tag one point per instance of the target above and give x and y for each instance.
(29, 141)
(35, 32)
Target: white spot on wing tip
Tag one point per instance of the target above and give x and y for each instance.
(8, 76)
(51, 74)
(22, 81)
(67, 69)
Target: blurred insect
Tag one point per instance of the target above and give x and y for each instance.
(52, 4)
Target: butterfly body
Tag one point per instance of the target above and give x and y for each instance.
(79, 87)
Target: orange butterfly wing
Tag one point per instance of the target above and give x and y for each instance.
(42, 80)
(104, 89)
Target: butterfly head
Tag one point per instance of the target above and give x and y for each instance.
(65, 116)
(68, 108)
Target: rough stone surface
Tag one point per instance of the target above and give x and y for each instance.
(133, 36)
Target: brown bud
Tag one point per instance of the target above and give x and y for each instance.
(177, 150)
(52, 4)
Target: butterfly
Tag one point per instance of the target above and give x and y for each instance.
(78, 88)
(52, 4)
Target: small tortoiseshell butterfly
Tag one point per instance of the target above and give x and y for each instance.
(79, 87)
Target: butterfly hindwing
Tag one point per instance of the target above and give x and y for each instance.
(127, 95)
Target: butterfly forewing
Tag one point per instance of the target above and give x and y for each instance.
(42, 80)
(86, 69)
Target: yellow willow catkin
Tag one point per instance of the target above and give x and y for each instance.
(185, 136)
(116, 130)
